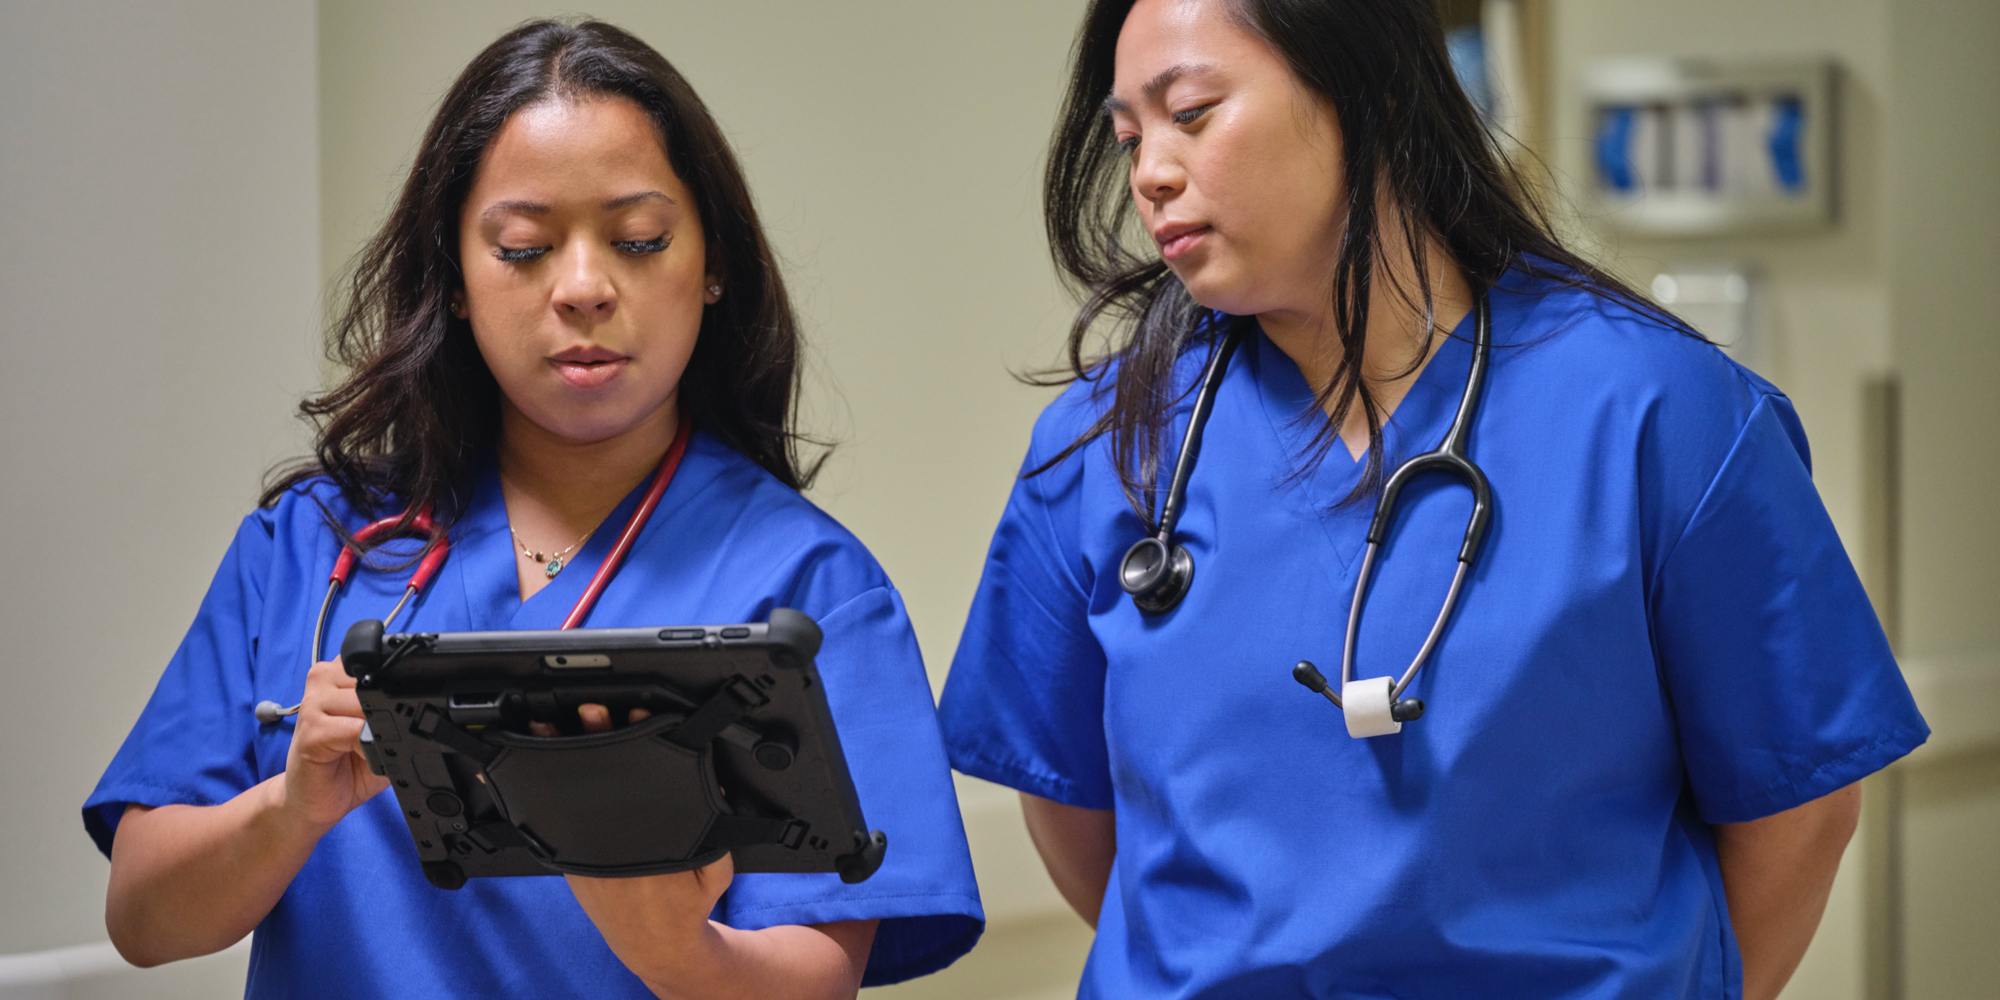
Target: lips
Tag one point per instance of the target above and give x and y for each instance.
(588, 367)
(1177, 239)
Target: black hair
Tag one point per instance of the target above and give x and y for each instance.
(419, 405)
(1382, 67)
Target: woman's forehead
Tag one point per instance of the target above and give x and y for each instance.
(1167, 40)
(589, 150)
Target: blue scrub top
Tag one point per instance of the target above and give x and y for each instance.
(727, 544)
(1662, 632)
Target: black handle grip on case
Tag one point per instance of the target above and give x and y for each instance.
(361, 650)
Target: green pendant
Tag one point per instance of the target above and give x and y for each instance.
(554, 566)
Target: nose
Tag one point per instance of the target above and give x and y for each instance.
(584, 290)
(1157, 175)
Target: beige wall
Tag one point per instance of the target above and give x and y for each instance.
(1943, 142)
(159, 234)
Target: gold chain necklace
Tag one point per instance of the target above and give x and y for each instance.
(553, 563)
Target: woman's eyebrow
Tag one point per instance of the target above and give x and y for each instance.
(626, 201)
(1154, 87)
(500, 208)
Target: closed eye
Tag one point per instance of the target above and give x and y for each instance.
(1188, 117)
(522, 255)
(640, 248)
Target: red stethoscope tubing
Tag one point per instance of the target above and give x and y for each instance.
(637, 523)
(421, 523)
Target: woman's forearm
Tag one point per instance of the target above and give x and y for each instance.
(193, 880)
(658, 926)
(1077, 846)
(810, 963)
(1777, 872)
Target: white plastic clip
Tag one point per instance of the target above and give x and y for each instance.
(1367, 705)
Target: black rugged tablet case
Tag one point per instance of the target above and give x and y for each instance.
(739, 755)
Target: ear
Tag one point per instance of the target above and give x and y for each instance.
(458, 302)
(711, 289)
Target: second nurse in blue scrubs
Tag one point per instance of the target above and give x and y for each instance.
(573, 275)
(1636, 775)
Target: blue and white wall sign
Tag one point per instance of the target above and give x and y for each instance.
(1700, 147)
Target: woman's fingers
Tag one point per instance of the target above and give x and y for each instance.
(594, 717)
(325, 772)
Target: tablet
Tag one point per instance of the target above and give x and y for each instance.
(734, 751)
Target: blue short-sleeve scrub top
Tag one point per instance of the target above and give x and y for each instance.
(727, 544)
(1662, 632)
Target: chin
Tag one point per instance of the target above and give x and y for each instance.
(1218, 292)
(583, 428)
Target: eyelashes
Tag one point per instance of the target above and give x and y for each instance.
(523, 255)
(1127, 146)
(631, 248)
(640, 248)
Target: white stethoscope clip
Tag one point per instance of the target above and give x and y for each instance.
(1369, 706)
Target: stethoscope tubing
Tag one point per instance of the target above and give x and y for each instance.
(1451, 459)
(1204, 402)
(269, 712)
(1157, 572)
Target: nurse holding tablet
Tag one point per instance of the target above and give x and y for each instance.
(572, 299)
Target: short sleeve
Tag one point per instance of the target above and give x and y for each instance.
(1023, 704)
(924, 893)
(194, 742)
(1782, 683)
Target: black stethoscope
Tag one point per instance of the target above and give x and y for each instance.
(1157, 572)
(269, 712)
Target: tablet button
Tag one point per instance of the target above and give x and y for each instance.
(739, 632)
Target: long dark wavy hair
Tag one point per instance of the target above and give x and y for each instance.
(1404, 122)
(419, 406)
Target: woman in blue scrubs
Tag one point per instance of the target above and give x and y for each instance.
(573, 270)
(1646, 719)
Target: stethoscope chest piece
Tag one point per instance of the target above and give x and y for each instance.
(1156, 574)
(1157, 570)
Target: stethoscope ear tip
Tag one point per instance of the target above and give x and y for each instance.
(1307, 674)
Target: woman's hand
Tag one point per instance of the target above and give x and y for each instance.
(192, 880)
(658, 926)
(326, 776)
